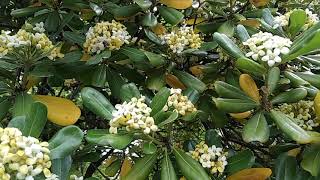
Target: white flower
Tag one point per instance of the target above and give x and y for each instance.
(268, 48)
(39, 27)
(179, 102)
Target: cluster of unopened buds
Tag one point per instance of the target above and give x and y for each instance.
(133, 115)
(30, 36)
(181, 39)
(283, 20)
(23, 157)
(106, 35)
(301, 113)
(267, 47)
(213, 158)
(179, 102)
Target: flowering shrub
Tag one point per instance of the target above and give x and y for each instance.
(168, 89)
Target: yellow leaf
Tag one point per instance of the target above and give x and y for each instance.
(183, 178)
(294, 152)
(248, 85)
(251, 23)
(242, 115)
(195, 21)
(174, 82)
(317, 105)
(109, 161)
(159, 29)
(177, 4)
(125, 168)
(251, 174)
(61, 111)
(259, 3)
(196, 70)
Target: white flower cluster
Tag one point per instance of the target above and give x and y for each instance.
(213, 158)
(75, 177)
(302, 113)
(37, 40)
(134, 114)
(283, 20)
(181, 39)
(106, 35)
(23, 157)
(179, 102)
(39, 27)
(267, 47)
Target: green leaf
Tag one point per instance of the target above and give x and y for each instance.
(297, 20)
(155, 59)
(22, 105)
(170, 15)
(192, 94)
(65, 142)
(126, 11)
(129, 91)
(7, 66)
(99, 57)
(149, 20)
(235, 105)
(290, 96)
(167, 170)
(28, 11)
(18, 122)
(190, 81)
(242, 160)
(285, 167)
(115, 82)
(242, 33)
(35, 120)
(313, 79)
(99, 77)
(149, 148)
(5, 104)
(52, 22)
(74, 37)
(173, 116)
(212, 138)
(311, 159)
(153, 37)
(228, 91)
(227, 28)
(156, 80)
(113, 168)
(103, 138)
(97, 103)
(189, 167)
(228, 45)
(159, 100)
(142, 168)
(61, 167)
(144, 4)
(273, 78)
(256, 129)
(135, 55)
(250, 66)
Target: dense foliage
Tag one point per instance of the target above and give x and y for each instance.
(168, 89)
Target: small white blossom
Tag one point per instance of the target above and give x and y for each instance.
(39, 27)
(179, 102)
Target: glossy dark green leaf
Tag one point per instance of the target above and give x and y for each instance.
(103, 138)
(313, 79)
(126, 11)
(5, 104)
(167, 170)
(142, 168)
(311, 159)
(52, 22)
(192, 94)
(35, 120)
(135, 55)
(18, 122)
(250, 66)
(212, 138)
(290, 96)
(129, 91)
(99, 57)
(189, 167)
(149, 20)
(22, 105)
(227, 28)
(28, 11)
(242, 160)
(190, 81)
(242, 33)
(170, 15)
(160, 100)
(99, 77)
(235, 105)
(144, 4)
(156, 80)
(228, 45)
(256, 129)
(155, 59)
(74, 37)
(65, 142)
(115, 81)
(273, 78)
(285, 167)
(172, 117)
(153, 37)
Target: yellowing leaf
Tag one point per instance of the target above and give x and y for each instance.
(248, 85)
(31, 81)
(195, 21)
(177, 4)
(251, 23)
(317, 105)
(159, 29)
(242, 115)
(61, 111)
(125, 168)
(251, 174)
(183, 178)
(196, 70)
(259, 3)
(109, 161)
(174, 82)
(85, 57)
(294, 152)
